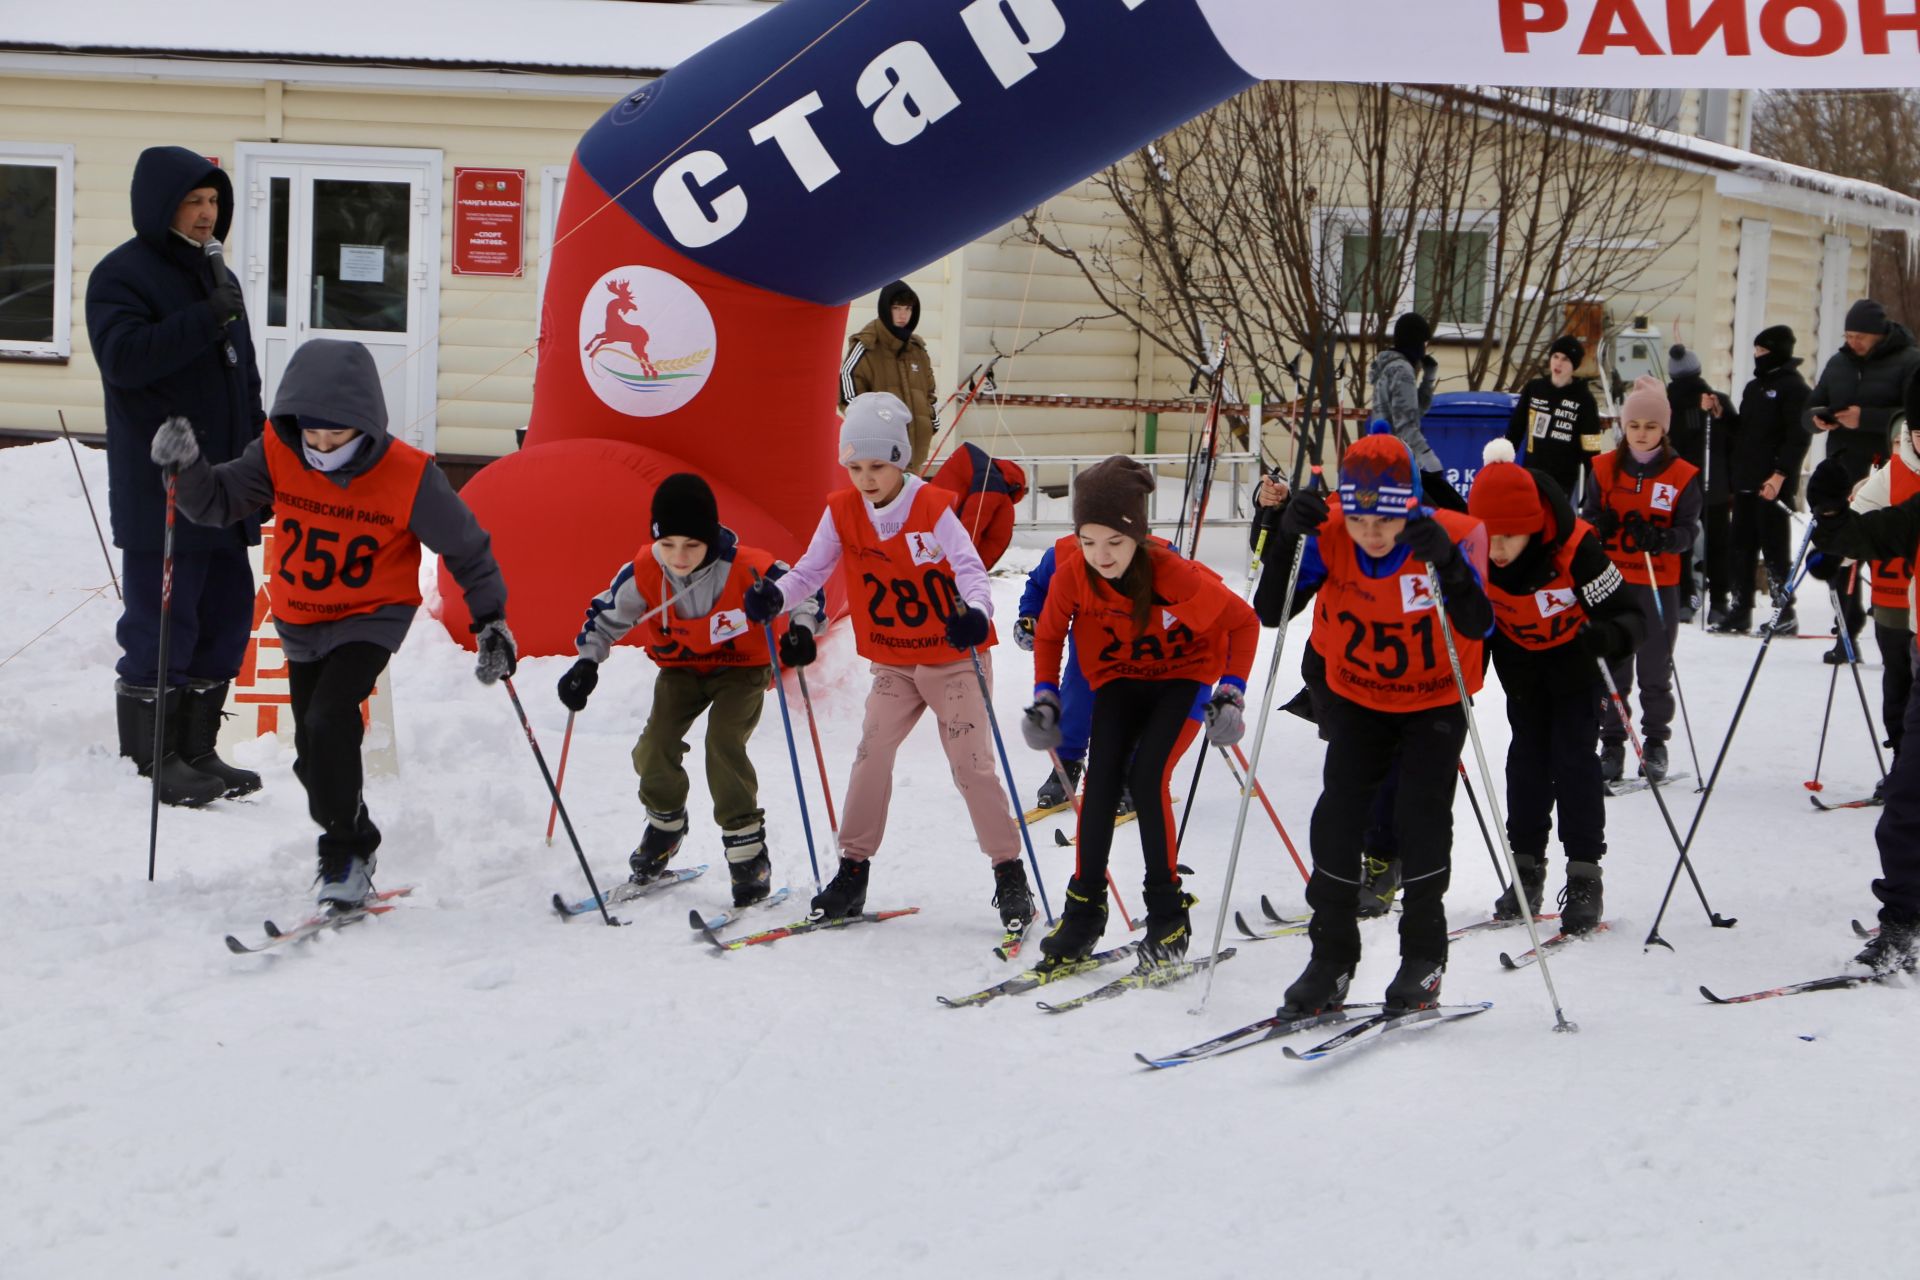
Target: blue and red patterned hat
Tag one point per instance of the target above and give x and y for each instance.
(1377, 476)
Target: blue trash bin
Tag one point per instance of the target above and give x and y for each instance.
(1458, 427)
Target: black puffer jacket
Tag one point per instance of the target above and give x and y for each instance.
(1876, 383)
(162, 351)
(1767, 437)
(1694, 428)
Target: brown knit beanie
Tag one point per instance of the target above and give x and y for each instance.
(1114, 493)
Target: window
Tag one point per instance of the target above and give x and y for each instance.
(1450, 278)
(1444, 272)
(36, 250)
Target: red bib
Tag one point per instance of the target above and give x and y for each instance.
(1379, 636)
(1547, 618)
(720, 638)
(1186, 635)
(901, 589)
(1654, 497)
(1892, 577)
(343, 551)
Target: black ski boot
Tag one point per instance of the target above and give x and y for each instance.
(1653, 763)
(1533, 878)
(1716, 614)
(1787, 623)
(1126, 803)
(1168, 926)
(1054, 795)
(180, 783)
(659, 842)
(1012, 896)
(1893, 949)
(1415, 987)
(1582, 902)
(1320, 988)
(845, 894)
(1613, 760)
(1738, 621)
(748, 864)
(1082, 921)
(202, 707)
(1379, 882)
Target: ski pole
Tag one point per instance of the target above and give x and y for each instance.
(819, 756)
(1026, 836)
(1853, 664)
(1826, 718)
(1193, 789)
(1439, 607)
(560, 780)
(1673, 664)
(87, 493)
(975, 385)
(1073, 798)
(1794, 576)
(526, 727)
(793, 754)
(1499, 873)
(1267, 804)
(163, 684)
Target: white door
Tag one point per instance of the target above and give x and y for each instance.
(344, 242)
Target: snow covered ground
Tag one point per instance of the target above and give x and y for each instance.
(471, 1088)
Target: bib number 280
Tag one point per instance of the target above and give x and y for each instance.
(900, 602)
(320, 565)
(1387, 643)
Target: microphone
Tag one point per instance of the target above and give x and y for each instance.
(216, 259)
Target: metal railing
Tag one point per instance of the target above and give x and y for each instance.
(1041, 510)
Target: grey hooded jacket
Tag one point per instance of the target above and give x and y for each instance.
(337, 383)
(1402, 398)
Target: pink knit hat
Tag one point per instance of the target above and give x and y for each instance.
(1648, 402)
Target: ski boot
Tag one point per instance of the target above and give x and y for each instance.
(1533, 878)
(1320, 988)
(1052, 794)
(202, 707)
(659, 842)
(1737, 621)
(1126, 803)
(1415, 987)
(1716, 615)
(346, 884)
(1582, 902)
(1653, 761)
(180, 783)
(845, 894)
(1012, 896)
(1168, 927)
(1082, 921)
(1379, 882)
(1788, 622)
(1892, 950)
(1613, 760)
(1837, 656)
(748, 864)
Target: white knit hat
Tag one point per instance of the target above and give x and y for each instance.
(875, 430)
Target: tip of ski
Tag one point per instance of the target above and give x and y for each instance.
(1838, 982)
(732, 915)
(1371, 1030)
(628, 891)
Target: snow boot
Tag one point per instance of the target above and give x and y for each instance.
(1533, 878)
(1582, 902)
(748, 864)
(1613, 760)
(1082, 921)
(1012, 896)
(1052, 794)
(1415, 987)
(1892, 950)
(1837, 656)
(659, 842)
(1379, 882)
(1716, 614)
(345, 883)
(1168, 926)
(202, 707)
(180, 783)
(1321, 987)
(1736, 621)
(845, 894)
(1653, 763)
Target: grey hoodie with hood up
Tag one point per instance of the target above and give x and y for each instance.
(337, 383)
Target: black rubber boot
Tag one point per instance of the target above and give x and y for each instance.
(845, 895)
(180, 783)
(1893, 949)
(202, 707)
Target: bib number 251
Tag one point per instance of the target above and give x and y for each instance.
(1388, 644)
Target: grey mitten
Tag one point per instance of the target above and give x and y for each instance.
(1023, 634)
(498, 656)
(174, 447)
(1041, 724)
(1226, 716)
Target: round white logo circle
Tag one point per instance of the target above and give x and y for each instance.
(647, 344)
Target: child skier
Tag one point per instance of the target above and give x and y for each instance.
(1558, 604)
(1076, 699)
(1645, 505)
(1383, 691)
(355, 506)
(1154, 630)
(920, 599)
(710, 661)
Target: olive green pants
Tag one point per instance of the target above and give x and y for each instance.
(736, 696)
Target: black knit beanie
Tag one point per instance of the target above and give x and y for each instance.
(1867, 316)
(1114, 493)
(1778, 339)
(683, 507)
(1571, 347)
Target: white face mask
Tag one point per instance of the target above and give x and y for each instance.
(328, 462)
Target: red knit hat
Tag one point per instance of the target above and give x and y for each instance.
(1504, 496)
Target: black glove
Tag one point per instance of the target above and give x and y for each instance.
(1604, 640)
(1428, 541)
(967, 628)
(1825, 566)
(1636, 535)
(763, 600)
(228, 303)
(797, 648)
(1606, 523)
(498, 656)
(579, 681)
(1303, 514)
(1829, 487)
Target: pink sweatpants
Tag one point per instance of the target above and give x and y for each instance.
(894, 704)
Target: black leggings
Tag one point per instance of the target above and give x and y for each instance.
(327, 731)
(1140, 729)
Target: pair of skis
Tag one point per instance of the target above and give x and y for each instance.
(1047, 972)
(1365, 1024)
(324, 922)
(1631, 786)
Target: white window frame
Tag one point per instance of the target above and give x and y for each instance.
(59, 157)
(1335, 224)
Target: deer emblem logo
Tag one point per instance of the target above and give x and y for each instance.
(618, 329)
(647, 341)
